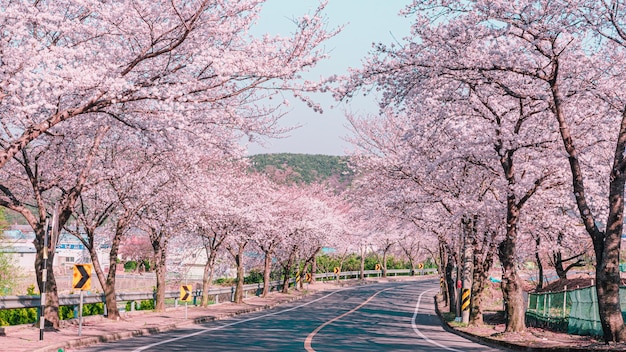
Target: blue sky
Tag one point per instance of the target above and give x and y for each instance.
(366, 22)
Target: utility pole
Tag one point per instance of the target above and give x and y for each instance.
(51, 230)
(44, 278)
(469, 230)
(468, 269)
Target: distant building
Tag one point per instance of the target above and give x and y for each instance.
(20, 245)
(18, 241)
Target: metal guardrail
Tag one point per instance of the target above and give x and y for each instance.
(13, 302)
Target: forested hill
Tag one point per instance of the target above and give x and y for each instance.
(306, 168)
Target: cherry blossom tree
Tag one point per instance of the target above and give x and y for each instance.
(152, 65)
(427, 85)
(105, 210)
(40, 177)
(279, 213)
(314, 219)
(540, 54)
(181, 66)
(246, 214)
(326, 225)
(219, 219)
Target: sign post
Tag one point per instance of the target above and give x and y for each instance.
(185, 296)
(80, 314)
(81, 280)
(44, 277)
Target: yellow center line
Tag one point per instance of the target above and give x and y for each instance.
(309, 339)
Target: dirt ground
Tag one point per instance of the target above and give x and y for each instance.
(532, 337)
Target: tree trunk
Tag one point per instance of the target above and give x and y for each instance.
(98, 269)
(160, 286)
(309, 260)
(606, 245)
(302, 273)
(558, 266)
(476, 310)
(362, 267)
(483, 260)
(607, 251)
(511, 288)
(539, 264)
(607, 289)
(267, 269)
(313, 269)
(450, 284)
(51, 311)
(238, 256)
(385, 263)
(240, 276)
(109, 291)
(442, 268)
(207, 276)
(287, 269)
(559, 263)
(159, 246)
(507, 249)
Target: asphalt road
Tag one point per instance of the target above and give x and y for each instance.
(396, 316)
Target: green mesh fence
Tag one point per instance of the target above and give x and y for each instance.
(574, 312)
(549, 310)
(584, 319)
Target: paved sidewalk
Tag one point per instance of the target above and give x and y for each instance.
(99, 329)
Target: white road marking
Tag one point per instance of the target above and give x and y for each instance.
(236, 322)
(308, 342)
(417, 331)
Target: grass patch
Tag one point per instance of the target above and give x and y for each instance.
(449, 318)
(458, 324)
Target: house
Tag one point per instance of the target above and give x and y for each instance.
(20, 245)
(18, 241)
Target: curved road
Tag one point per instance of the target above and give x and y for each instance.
(397, 316)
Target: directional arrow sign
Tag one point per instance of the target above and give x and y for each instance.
(185, 293)
(336, 270)
(81, 280)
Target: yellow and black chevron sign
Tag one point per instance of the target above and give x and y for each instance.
(465, 299)
(441, 282)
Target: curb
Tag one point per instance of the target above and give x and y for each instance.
(499, 343)
(87, 341)
(111, 337)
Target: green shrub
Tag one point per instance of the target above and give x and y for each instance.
(143, 305)
(130, 265)
(18, 316)
(254, 277)
(224, 281)
(21, 316)
(30, 291)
